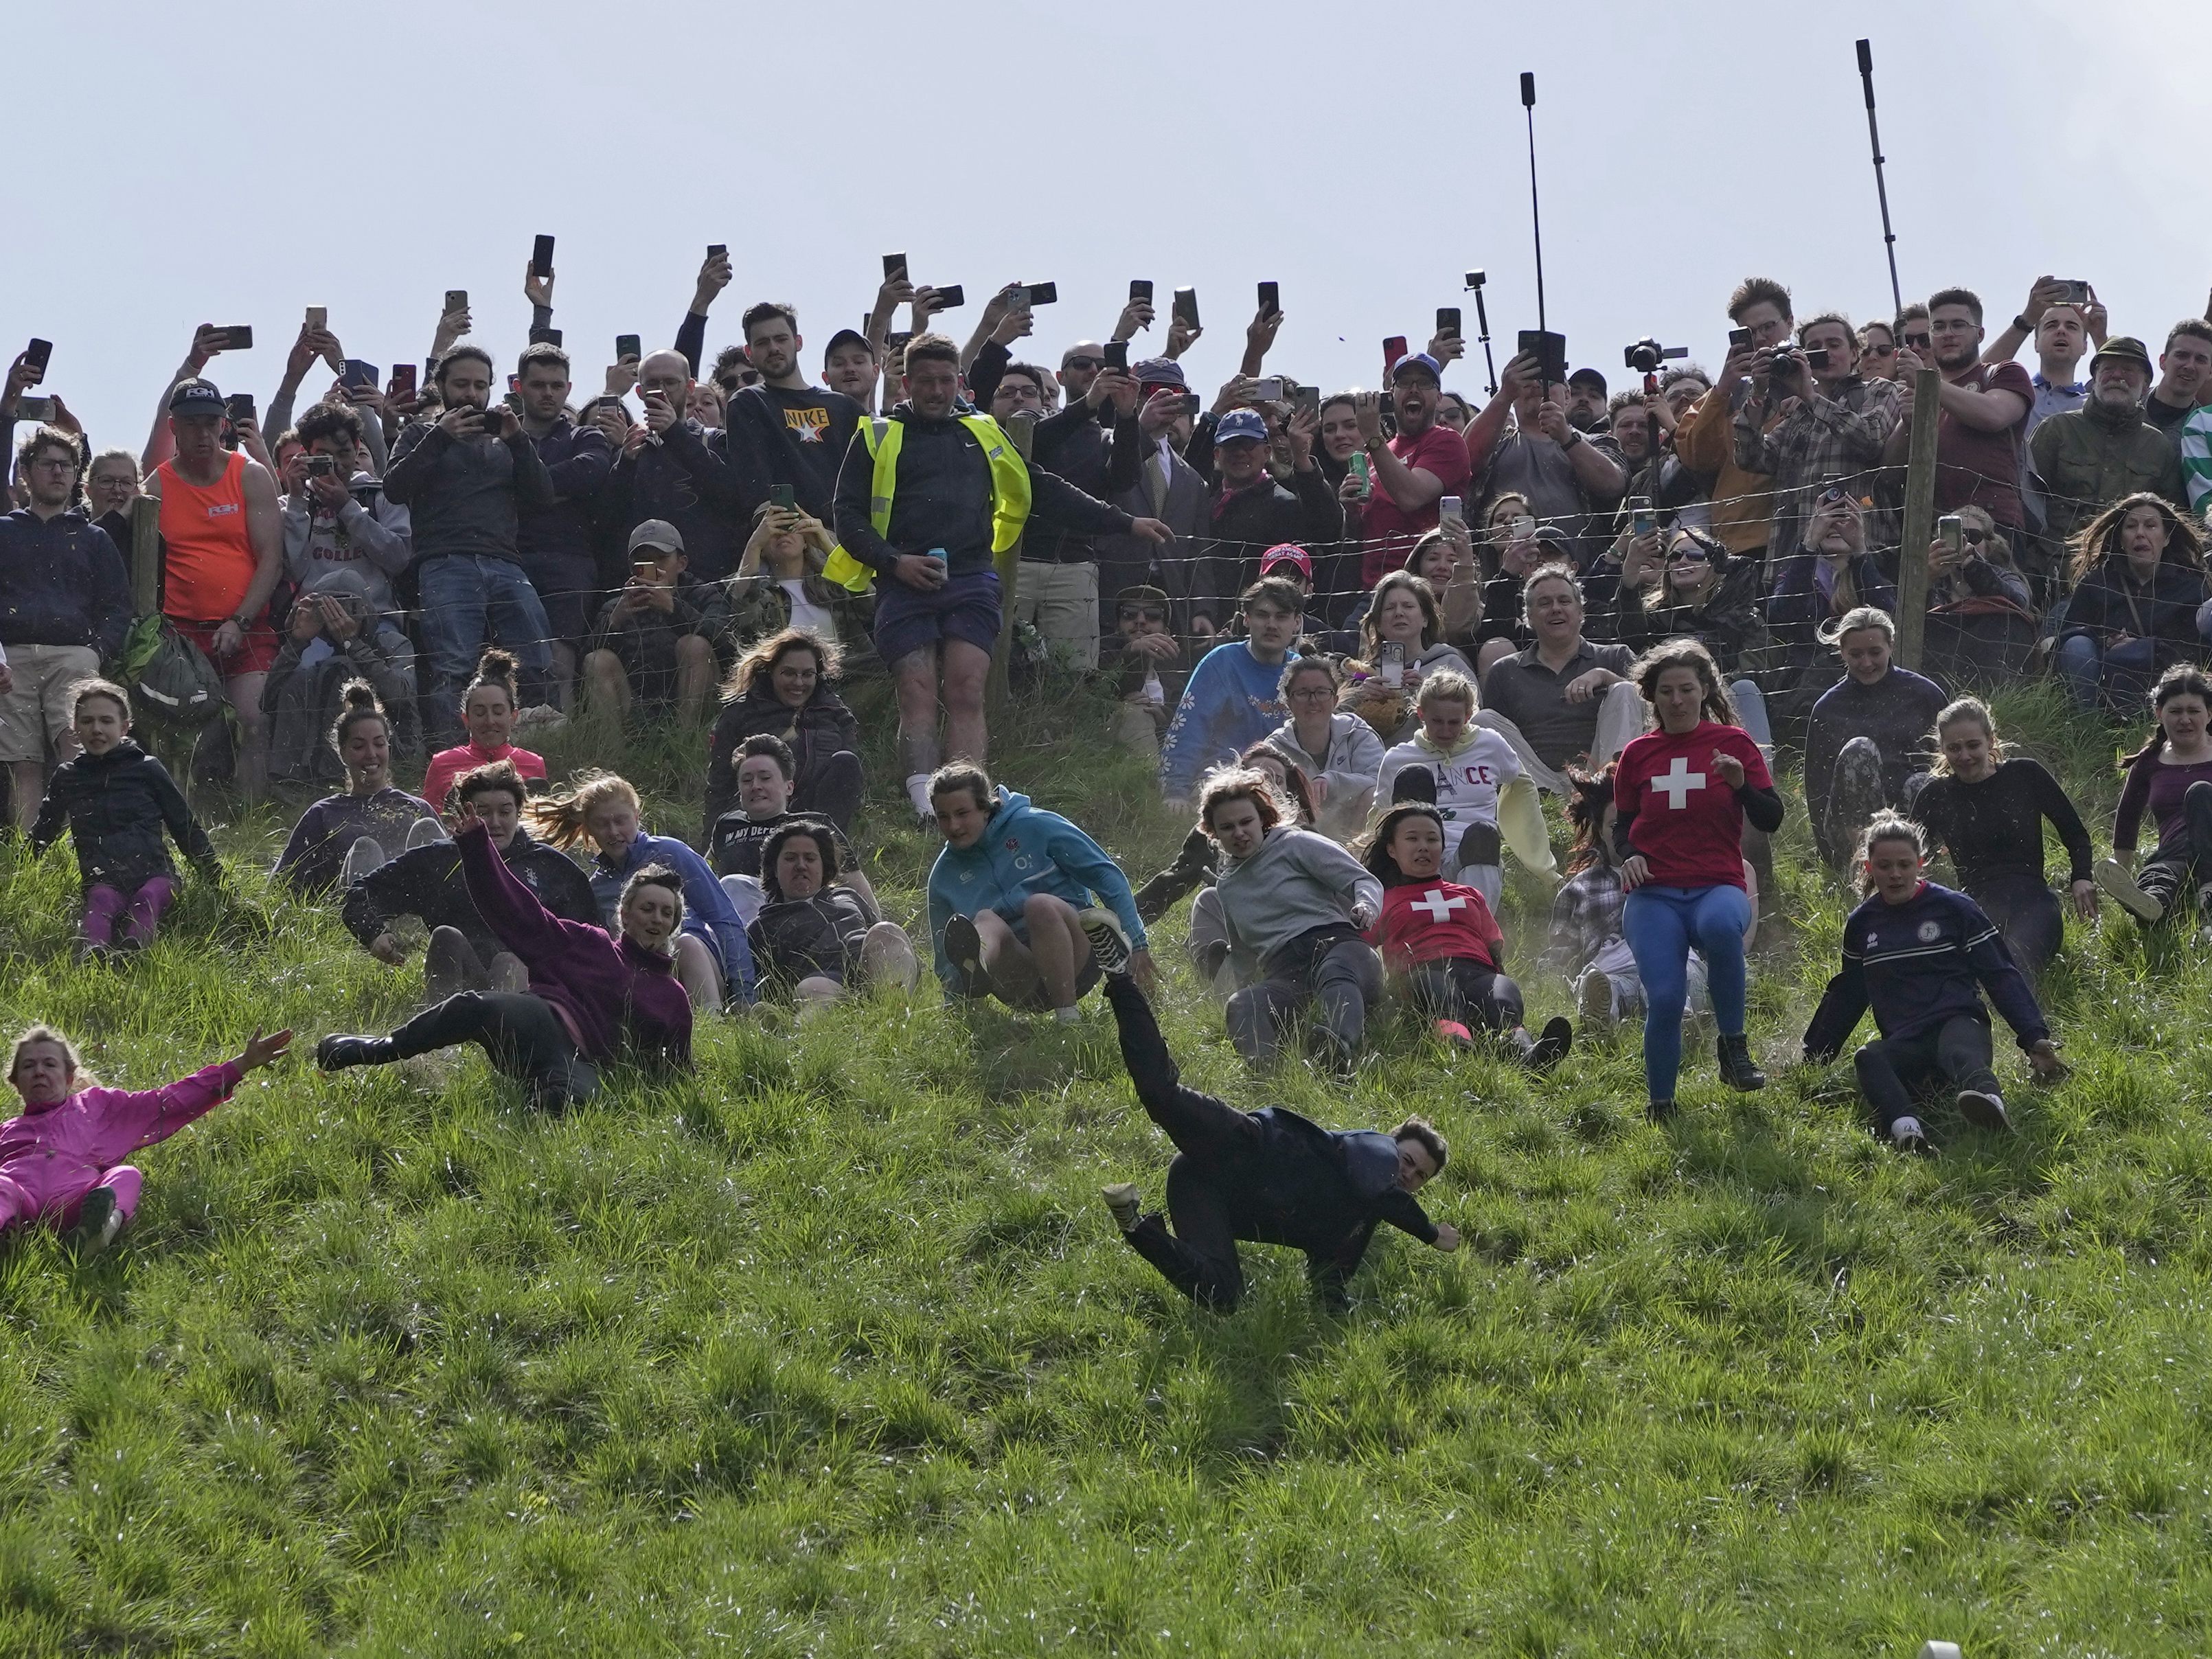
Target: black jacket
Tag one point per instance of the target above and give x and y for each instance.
(2165, 612)
(1729, 625)
(62, 582)
(116, 807)
(1321, 1192)
(464, 496)
(577, 460)
(1248, 522)
(795, 939)
(815, 731)
(687, 480)
(427, 883)
(944, 497)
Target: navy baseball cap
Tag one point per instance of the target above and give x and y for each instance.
(1241, 423)
(845, 336)
(196, 397)
(1156, 372)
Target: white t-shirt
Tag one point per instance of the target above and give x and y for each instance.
(805, 613)
(1466, 784)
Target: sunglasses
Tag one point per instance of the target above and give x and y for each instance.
(1881, 351)
(1143, 613)
(1917, 339)
(1082, 363)
(1972, 537)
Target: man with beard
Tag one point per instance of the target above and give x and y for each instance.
(2093, 456)
(673, 469)
(1563, 475)
(1831, 422)
(1587, 409)
(1254, 510)
(784, 431)
(1412, 471)
(1983, 414)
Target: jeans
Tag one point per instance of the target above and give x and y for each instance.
(521, 1035)
(2185, 858)
(1892, 1067)
(1751, 712)
(1340, 971)
(471, 601)
(2027, 915)
(2125, 670)
(1661, 924)
(830, 787)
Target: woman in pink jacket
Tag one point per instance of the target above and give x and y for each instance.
(63, 1157)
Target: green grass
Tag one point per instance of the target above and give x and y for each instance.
(832, 1351)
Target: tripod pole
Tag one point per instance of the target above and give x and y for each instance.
(1535, 217)
(1482, 324)
(1882, 188)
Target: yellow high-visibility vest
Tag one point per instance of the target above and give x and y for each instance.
(1010, 490)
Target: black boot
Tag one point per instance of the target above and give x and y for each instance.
(1738, 1069)
(335, 1052)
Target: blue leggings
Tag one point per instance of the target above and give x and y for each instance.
(1661, 925)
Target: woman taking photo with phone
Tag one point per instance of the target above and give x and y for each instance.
(1684, 793)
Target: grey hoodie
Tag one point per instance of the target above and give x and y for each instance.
(1297, 882)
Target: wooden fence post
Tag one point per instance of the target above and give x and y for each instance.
(1919, 522)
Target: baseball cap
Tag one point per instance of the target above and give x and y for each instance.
(1160, 371)
(195, 398)
(1286, 553)
(1142, 593)
(845, 336)
(658, 534)
(1419, 360)
(2125, 347)
(1241, 423)
(1588, 377)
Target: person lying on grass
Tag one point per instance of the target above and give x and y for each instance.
(117, 801)
(1266, 1177)
(61, 1159)
(817, 936)
(592, 998)
(1921, 956)
(1439, 939)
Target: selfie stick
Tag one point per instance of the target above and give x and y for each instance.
(1482, 324)
(1535, 218)
(1881, 188)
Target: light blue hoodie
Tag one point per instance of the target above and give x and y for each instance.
(1233, 700)
(1024, 849)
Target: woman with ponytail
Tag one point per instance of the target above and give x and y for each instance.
(342, 838)
(489, 708)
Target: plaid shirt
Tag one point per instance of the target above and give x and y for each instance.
(1585, 914)
(1834, 431)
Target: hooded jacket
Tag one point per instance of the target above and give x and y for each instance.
(62, 582)
(117, 806)
(1023, 850)
(1295, 882)
(1321, 1192)
(2090, 456)
(427, 883)
(816, 730)
(616, 993)
(72, 1143)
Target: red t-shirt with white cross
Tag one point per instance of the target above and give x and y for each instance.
(1431, 921)
(1689, 824)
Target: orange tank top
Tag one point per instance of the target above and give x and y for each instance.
(207, 560)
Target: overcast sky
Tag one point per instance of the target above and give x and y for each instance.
(235, 164)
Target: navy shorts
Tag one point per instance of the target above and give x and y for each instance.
(966, 608)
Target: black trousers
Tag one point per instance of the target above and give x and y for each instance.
(2027, 913)
(1215, 1144)
(521, 1035)
(1333, 967)
(2185, 860)
(831, 789)
(1891, 1068)
(1470, 992)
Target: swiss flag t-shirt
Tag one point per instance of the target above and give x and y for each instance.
(1689, 825)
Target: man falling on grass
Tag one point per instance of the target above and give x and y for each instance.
(1270, 1177)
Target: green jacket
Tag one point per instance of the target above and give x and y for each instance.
(2087, 458)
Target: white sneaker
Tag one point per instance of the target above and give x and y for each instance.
(1985, 1110)
(1907, 1136)
(1109, 946)
(917, 795)
(2124, 891)
(1121, 1200)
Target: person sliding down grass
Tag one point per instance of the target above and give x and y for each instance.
(1267, 1177)
(592, 998)
(1440, 937)
(62, 1158)
(2168, 777)
(1921, 954)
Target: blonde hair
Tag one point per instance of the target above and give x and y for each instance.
(559, 818)
(1445, 685)
(71, 1059)
(1959, 713)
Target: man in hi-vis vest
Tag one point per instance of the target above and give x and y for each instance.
(925, 499)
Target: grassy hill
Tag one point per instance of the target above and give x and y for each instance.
(832, 1351)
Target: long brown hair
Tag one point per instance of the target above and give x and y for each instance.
(2183, 679)
(1715, 705)
(1585, 809)
(1432, 620)
(2100, 539)
(757, 664)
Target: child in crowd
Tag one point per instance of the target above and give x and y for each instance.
(1921, 956)
(489, 708)
(1440, 937)
(712, 959)
(1475, 781)
(61, 1157)
(117, 801)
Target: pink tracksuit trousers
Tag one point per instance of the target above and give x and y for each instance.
(50, 1160)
